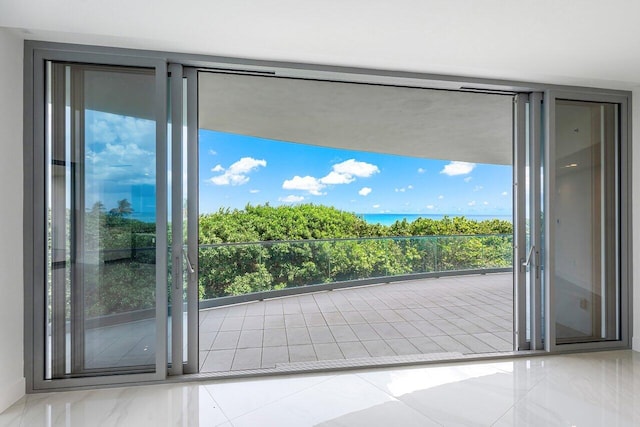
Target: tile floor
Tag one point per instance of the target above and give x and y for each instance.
(360, 326)
(591, 389)
(458, 314)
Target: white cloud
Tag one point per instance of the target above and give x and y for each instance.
(254, 191)
(472, 203)
(335, 178)
(213, 152)
(347, 172)
(478, 188)
(291, 199)
(485, 203)
(421, 170)
(504, 193)
(440, 197)
(246, 164)
(237, 172)
(430, 206)
(227, 179)
(217, 168)
(304, 183)
(354, 168)
(403, 189)
(468, 179)
(376, 206)
(364, 191)
(458, 168)
(341, 173)
(119, 150)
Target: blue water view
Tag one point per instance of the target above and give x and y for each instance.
(390, 218)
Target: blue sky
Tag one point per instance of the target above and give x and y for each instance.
(236, 170)
(120, 162)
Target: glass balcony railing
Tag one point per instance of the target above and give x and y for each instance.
(233, 269)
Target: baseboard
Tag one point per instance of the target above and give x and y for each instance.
(635, 343)
(10, 393)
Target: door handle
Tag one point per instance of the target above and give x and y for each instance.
(524, 263)
(188, 261)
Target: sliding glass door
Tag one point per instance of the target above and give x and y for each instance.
(117, 266)
(587, 302)
(570, 215)
(184, 314)
(528, 218)
(102, 305)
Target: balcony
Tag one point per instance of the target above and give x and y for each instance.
(406, 321)
(324, 304)
(354, 302)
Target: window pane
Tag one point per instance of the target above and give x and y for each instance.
(585, 250)
(102, 204)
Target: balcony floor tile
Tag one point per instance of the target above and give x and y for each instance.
(456, 314)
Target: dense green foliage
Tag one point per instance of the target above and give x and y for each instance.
(119, 268)
(263, 248)
(265, 223)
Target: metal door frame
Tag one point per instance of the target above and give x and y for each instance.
(526, 260)
(35, 216)
(37, 52)
(183, 81)
(623, 232)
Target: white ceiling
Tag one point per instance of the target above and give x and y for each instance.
(584, 42)
(437, 124)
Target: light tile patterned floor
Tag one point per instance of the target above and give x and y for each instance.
(590, 389)
(458, 314)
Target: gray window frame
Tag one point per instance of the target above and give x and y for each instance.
(624, 258)
(37, 52)
(35, 268)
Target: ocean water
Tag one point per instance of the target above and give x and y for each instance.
(389, 218)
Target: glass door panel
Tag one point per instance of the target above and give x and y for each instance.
(184, 220)
(102, 187)
(534, 220)
(587, 288)
(527, 208)
(521, 221)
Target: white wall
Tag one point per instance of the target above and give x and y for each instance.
(584, 41)
(11, 282)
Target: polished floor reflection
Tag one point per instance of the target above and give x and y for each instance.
(593, 389)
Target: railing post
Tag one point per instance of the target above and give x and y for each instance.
(329, 264)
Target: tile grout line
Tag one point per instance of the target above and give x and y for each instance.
(525, 394)
(360, 375)
(218, 405)
(279, 399)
